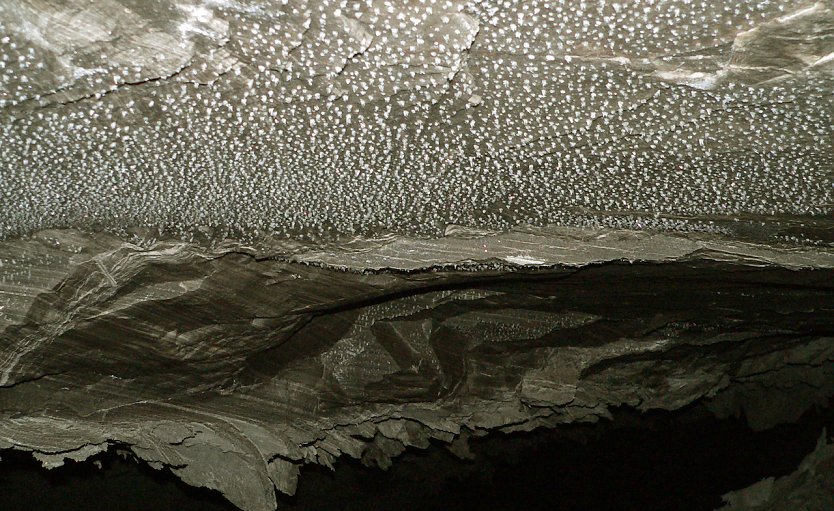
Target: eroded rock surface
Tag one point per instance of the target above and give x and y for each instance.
(234, 366)
(810, 487)
(239, 236)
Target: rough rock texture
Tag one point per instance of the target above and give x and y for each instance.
(810, 488)
(243, 235)
(235, 366)
(322, 117)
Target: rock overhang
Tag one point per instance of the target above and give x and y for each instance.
(243, 236)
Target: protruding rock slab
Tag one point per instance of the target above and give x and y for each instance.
(236, 364)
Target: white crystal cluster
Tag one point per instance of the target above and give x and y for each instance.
(308, 117)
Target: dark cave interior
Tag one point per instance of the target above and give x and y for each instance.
(683, 460)
(455, 255)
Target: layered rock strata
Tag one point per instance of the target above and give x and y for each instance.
(235, 365)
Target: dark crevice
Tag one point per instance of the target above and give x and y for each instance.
(682, 460)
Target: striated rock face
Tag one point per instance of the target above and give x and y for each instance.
(235, 366)
(240, 236)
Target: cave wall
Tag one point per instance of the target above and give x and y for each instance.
(240, 236)
(236, 367)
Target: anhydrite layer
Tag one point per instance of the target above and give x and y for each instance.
(235, 365)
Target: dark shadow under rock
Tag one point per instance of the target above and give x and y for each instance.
(681, 460)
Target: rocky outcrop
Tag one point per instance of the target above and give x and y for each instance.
(809, 487)
(234, 366)
(240, 236)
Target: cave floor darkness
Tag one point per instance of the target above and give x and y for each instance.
(682, 461)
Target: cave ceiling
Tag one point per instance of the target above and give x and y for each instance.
(240, 237)
(320, 118)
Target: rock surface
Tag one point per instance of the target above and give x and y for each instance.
(239, 236)
(235, 366)
(810, 488)
(319, 118)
